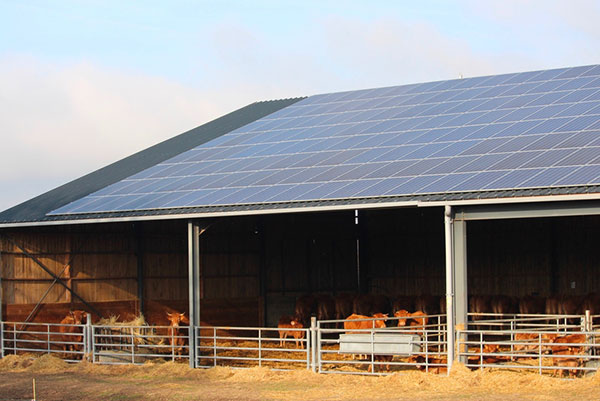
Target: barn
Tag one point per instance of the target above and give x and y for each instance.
(468, 188)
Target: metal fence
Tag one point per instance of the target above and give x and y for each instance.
(508, 321)
(562, 345)
(560, 353)
(381, 350)
(117, 344)
(245, 347)
(68, 341)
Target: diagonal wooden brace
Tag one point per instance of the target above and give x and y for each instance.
(56, 278)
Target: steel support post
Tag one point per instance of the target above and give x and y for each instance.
(448, 234)
(194, 286)
(459, 262)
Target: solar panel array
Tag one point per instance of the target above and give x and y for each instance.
(523, 130)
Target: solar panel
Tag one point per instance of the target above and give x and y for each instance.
(532, 129)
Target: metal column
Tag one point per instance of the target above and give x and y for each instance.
(459, 246)
(194, 286)
(448, 234)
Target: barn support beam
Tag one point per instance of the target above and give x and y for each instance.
(455, 233)
(448, 233)
(193, 285)
(459, 262)
(528, 210)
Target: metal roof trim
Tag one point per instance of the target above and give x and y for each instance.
(301, 207)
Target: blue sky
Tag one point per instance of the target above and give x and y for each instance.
(85, 83)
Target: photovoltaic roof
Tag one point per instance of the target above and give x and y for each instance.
(537, 129)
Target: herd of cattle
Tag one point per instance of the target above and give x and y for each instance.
(353, 309)
(327, 307)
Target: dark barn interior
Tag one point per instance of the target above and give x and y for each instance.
(253, 268)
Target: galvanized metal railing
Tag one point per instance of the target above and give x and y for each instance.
(244, 347)
(556, 352)
(381, 350)
(499, 321)
(69, 341)
(118, 345)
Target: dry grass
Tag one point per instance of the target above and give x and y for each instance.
(263, 383)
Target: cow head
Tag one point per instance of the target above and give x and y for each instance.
(176, 318)
(402, 314)
(78, 316)
(380, 324)
(296, 323)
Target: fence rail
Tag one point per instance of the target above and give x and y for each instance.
(547, 352)
(68, 341)
(562, 345)
(119, 345)
(381, 350)
(244, 347)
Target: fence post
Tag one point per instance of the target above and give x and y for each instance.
(48, 338)
(587, 321)
(215, 346)
(1, 339)
(87, 337)
(307, 340)
(132, 346)
(259, 348)
(313, 340)
(540, 352)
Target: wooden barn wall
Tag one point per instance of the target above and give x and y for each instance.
(308, 253)
(534, 256)
(406, 252)
(253, 265)
(99, 262)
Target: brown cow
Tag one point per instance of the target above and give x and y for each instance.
(369, 304)
(73, 318)
(566, 345)
(343, 306)
(529, 342)
(592, 303)
(566, 362)
(415, 319)
(503, 304)
(305, 307)
(529, 305)
(428, 304)
(351, 323)
(402, 302)
(552, 305)
(424, 362)
(175, 340)
(479, 304)
(325, 307)
(285, 324)
(403, 316)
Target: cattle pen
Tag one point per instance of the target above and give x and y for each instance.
(465, 235)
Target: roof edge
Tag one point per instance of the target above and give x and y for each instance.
(36, 208)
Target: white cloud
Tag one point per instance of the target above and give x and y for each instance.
(60, 122)
(392, 51)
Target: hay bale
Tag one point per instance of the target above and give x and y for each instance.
(48, 363)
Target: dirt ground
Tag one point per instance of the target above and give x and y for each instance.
(57, 380)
